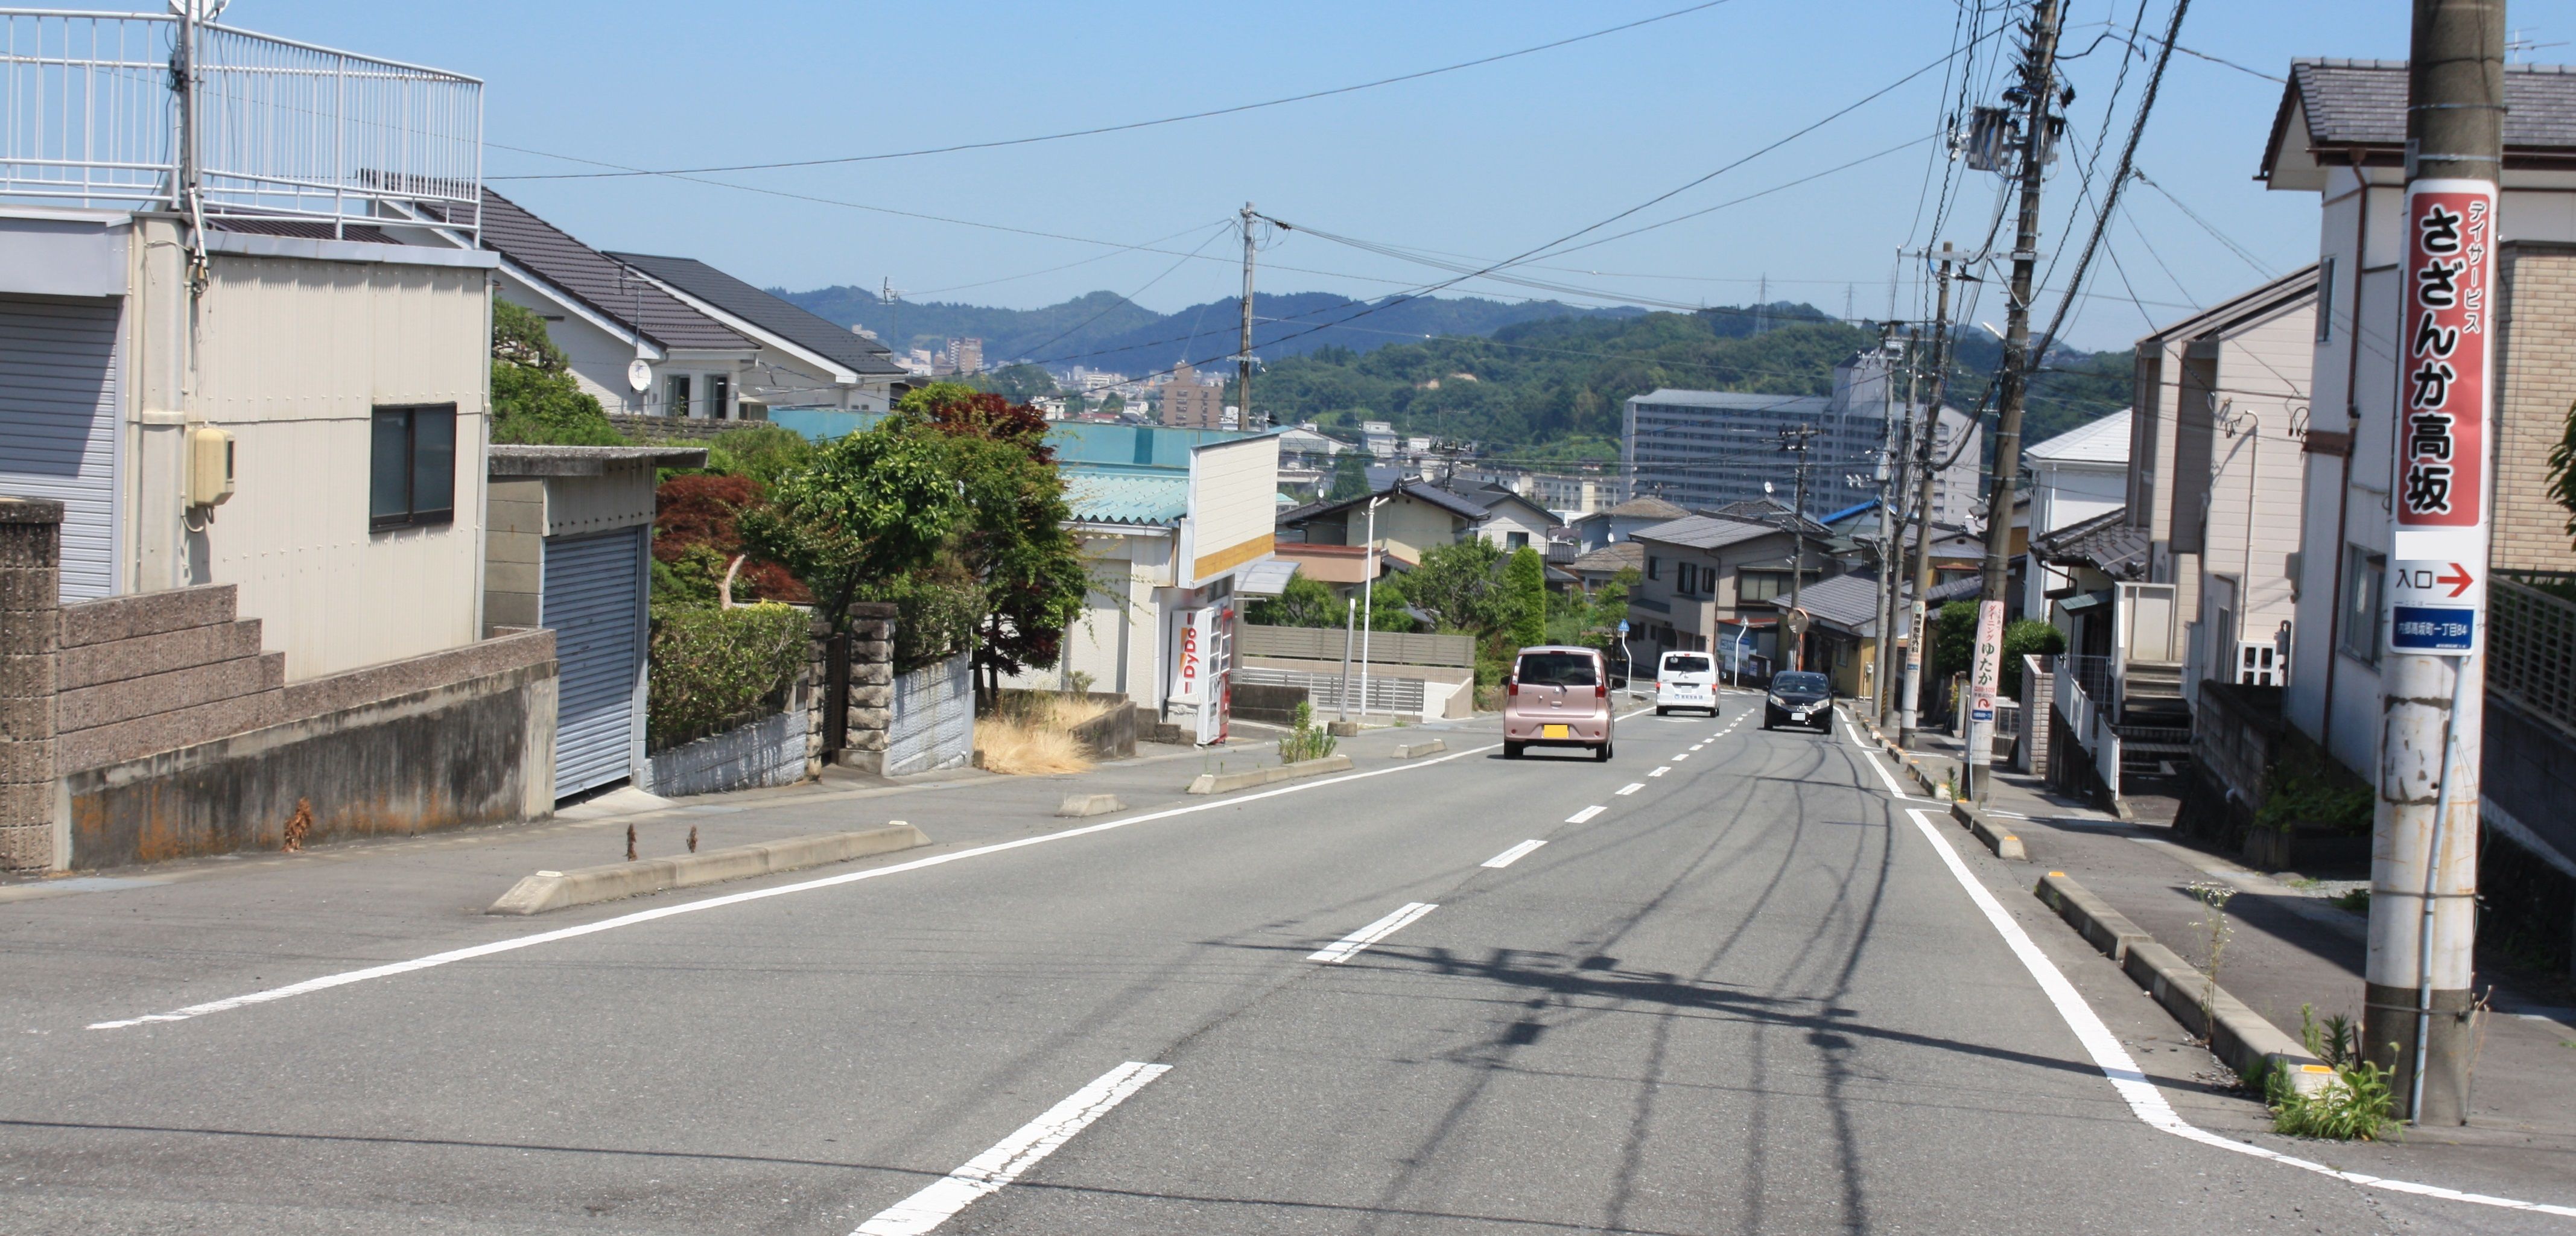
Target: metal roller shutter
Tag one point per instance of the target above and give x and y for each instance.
(594, 601)
(58, 427)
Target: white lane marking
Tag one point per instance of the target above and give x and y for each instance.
(1632, 787)
(1349, 946)
(2147, 1102)
(1661, 771)
(1510, 856)
(986, 1173)
(328, 981)
(1870, 758)
(1697, 745)
(1679, 756)
(1585, 814)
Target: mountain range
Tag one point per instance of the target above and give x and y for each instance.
(1103, 330)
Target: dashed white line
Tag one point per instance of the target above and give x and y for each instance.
(1512, 855)
(1585, 814)
(2145, 1101)
(1679, 756)
(1349, 946)
(1661, 771)
(986, 1173)
(1632, 787)
(1697, 745)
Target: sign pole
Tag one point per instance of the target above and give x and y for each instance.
(2416, 1012)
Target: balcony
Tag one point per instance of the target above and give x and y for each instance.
(102, 111)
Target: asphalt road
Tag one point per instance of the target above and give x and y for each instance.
(1735, 989)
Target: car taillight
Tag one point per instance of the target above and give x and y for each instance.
(1601, 689)
(1511, 686)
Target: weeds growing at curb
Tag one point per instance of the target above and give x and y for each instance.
(2357, 901)
(1305, 740)
(2215, 896)
(2353, 1105)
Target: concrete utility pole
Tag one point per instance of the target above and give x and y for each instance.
(2038, 89)
(1891, 530)
(1920, 633)
(2416, 1016)
(1796, 440)
(1243, 352)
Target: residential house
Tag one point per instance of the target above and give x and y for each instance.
(1842, 629)
(1409, 517)
(803, 361)
(2075, 476)
(246, 442)
(1511, 520)
(1621, 522)
(1705, 576)
(1600, 566)
(606, 315)
(2340, 133)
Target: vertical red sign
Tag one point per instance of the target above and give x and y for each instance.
(2448, 349)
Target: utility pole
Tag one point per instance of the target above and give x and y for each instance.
(1919, 634)
(1891, 548)
(2038, 89)
(2416, 1014)
(1243, 354)
(1796, 440)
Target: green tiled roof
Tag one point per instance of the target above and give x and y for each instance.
(1127, 496)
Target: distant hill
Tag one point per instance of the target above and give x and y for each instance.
(1104, 330)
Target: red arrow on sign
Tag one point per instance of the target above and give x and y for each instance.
(2459, 579)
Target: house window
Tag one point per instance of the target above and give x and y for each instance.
(719, 397)
(2325, 300)
(1516, 540)
(2362, 582)
(411, 468)
(1654, 567)
(675, 395)
(1753, 586)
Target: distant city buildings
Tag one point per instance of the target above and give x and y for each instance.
(1191, 403)
(1705, 449)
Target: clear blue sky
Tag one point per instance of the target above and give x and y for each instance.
(1485, 162)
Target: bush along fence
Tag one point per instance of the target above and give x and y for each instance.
(727, 709)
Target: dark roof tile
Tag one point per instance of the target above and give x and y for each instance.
(597, 280)
(786, 320)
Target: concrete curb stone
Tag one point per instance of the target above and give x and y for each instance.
(557, 890)
(1220, 783)
(2003, 844)
(1076, 806)
(1417, 750)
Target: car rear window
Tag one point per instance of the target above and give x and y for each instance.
(1556, 669)
(1799, 682)
(1686, 665)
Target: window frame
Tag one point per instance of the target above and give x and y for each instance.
(2364, 575)
(413, 514)
(679, 395)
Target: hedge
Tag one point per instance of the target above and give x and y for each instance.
(713, 669)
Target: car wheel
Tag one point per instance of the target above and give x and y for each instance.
(1512, 750)
(1660, 710)
(1601, 754)
(1766, 723)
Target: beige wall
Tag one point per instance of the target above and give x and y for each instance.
(2256, 479)
(292, 355)
(514, 552)
(2538, 355)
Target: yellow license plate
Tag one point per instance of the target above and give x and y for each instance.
(1555, 731)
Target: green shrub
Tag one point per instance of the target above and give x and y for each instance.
(1305, 740)
(2353, 1105)
(936, 613)
(716, 668)
(2029, 637)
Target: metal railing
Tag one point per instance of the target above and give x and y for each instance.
(2531, 642)
(101, 110)
(1326, 644)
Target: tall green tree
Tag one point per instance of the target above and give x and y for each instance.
(873, 505)
(1304, 602)
(1525, 584)
(1461, 586)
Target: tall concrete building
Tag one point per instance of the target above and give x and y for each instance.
(1704, 449)
(1192, 403)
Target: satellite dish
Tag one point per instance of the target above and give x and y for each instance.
(639, 375)
(1766, 487)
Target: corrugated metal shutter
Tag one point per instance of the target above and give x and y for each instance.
(58, 427)
(594, 600)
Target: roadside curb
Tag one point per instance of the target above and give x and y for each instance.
(2236, 1034)
(1219, 783)
(1414, 751)
(2003, 844)
(1077, 806)
(558, 890)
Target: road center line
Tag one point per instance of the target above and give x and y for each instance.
(1512, 855)
(388, 970)
(986, 1173)
(1632, 787)
(1661, 771)
(1679, 756)
(1585, 814)
(1349, 946)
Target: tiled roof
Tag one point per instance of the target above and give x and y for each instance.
(2106, 543)
(2363, 103)
(2102, 441)
(1964, 589)
(1422, 491)
(1703, 532)
(1646, 508)
(597, 280)
(781, 318)
(1846, 601)
(1767, 510)
(1107, 496)
(1611, 559)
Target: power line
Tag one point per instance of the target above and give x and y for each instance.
(1100, 129)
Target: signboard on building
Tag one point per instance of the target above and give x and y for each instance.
(1189, 656)
(1986, 676)
(2437, 563)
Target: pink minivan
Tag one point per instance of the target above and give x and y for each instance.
(1557, 697)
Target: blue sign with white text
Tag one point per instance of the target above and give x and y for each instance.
(2432, 628)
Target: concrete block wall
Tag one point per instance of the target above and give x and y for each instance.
(871, 689)
(2537, 350)
(156, 671)
(30, 564)
(514, 552)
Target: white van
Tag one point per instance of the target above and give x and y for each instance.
(1686, 680)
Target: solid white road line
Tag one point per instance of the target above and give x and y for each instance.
(1632, 787)
(986, 1173)
(2147, 1102)
(328, 981)
(1661, 771)
(1510, 856)
(1349, 946)
(1585, 814)
(1870, 757)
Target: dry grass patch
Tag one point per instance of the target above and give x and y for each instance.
(1033, 734)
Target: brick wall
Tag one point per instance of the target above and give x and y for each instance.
(2537, 349)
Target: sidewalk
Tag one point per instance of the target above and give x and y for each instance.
(2289, 946)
